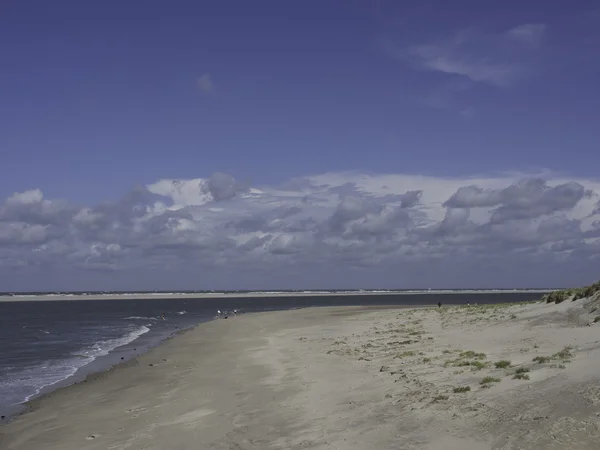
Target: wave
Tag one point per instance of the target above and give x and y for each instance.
(21, 386)
(139, 318)
(103, 348)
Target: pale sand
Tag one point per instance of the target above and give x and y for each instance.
(341, 378)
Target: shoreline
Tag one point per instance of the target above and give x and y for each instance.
(199, 296)
(89, 376)
(363, 300)
(479, 378)
(105, 363)
(86, 374)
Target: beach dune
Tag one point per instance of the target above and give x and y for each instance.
(479, 377)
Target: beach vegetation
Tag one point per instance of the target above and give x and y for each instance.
(503, 364)
(560, 296)
(477, 365)
(473, 355)
(440, 398)
(541, 359)
(565, 353)
(461, 389)
(488, 380)
(520, 376)
(596, 319)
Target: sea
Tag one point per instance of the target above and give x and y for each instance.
(45, 345)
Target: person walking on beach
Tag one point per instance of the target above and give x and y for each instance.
(439, 304)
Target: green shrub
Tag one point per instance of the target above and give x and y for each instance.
(522, 370)
(473, 355)
(488, 380)
(541, 359)
(478, 365)
(461, 389)
(503, 364)
(521, 376)
(440, 398)
(565, 353)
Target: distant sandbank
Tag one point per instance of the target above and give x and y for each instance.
(201, 295)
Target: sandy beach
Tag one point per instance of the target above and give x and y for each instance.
(469, 377)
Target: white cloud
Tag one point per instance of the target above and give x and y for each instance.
(212, 231)
(27, 197)
(529, 34)
(205, 83)
(479, 56)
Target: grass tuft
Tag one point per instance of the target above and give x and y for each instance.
(461, 389)
(488, 380)
(473, 355)
(565, 353)
(503, 364)
(521, 376)
(477, 365)
(541, 359)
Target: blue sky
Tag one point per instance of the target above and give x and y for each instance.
(99, 98)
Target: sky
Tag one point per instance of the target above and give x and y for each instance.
(297, 145)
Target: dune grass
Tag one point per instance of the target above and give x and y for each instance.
(503, 364)
(461, 389)
(489, 380)
(522, 373)
(573, 293)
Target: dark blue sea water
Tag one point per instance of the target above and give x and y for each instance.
(47, 344)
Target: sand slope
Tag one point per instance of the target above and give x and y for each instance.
(344, 378)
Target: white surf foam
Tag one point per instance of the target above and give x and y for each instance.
(139, 318)
(31, 381)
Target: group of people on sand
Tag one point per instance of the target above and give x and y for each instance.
(226, 314)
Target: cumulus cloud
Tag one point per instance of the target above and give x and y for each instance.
(333, 229)
(525, 199)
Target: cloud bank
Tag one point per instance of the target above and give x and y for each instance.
(346, 230)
